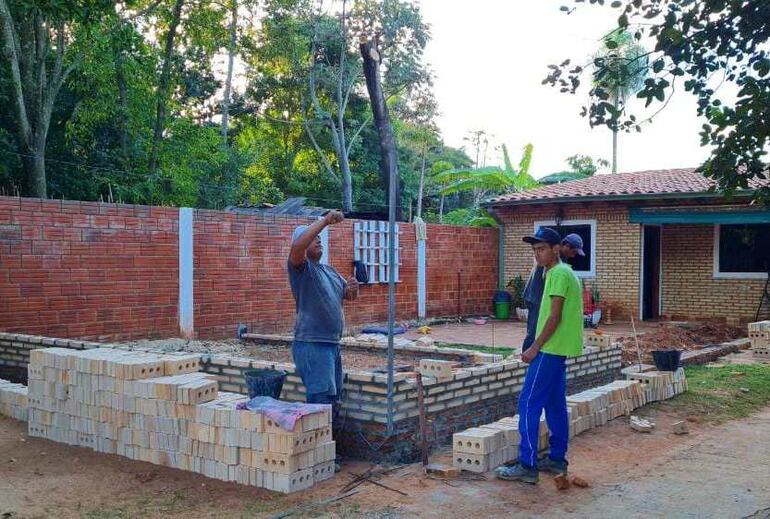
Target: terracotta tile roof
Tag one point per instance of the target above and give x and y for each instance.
(635, 184)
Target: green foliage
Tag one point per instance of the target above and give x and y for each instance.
(694, 42)
(516, 287)
(488, 180)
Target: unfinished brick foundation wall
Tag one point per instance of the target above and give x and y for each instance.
(690, 290)
(471, 397)
(111, 271)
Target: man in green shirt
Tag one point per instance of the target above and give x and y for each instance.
(559, 335)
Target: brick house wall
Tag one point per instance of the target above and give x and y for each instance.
(111, 271)
(617, 247)
(689, 289)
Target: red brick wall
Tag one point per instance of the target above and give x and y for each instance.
(110, 272)
(81, 269)
(240, 273)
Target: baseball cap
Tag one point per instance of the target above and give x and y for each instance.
(574, 241)
(298, 231)
(543, 234)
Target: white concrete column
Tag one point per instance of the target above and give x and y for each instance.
(421, 288)
(186, 325)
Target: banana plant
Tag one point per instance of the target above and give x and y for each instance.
(483, 182)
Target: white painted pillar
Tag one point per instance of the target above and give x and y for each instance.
(421, 288)
(325, 244)
(186, 325)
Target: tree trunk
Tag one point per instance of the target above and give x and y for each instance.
(347, 183)
(441, 210)
(164, 85)
(230, 63)
(422, 180)
(34, 167)
(388, 154)
(614, 151)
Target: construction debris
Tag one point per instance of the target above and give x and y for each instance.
(680, 427)
(159, 409)
(561, 481)
(579, 482)
(480, 449)
(642, 425)
(442, 471)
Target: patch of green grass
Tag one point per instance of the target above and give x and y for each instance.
(475, 347)
(718, 394)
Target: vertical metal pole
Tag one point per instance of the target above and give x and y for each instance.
(392, 194)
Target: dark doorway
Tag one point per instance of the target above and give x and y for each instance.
(651, 273)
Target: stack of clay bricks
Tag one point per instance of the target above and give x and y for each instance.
(597, 340)
(440, 370)
(483, 448)
(759, 334)
(13, 400)
(595, 407)
(159, 409)
(661, 385)
(480, 449)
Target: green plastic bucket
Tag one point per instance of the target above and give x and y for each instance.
(502, 310)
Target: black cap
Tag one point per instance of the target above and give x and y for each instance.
(543, 234)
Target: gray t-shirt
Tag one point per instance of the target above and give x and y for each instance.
(318, 291)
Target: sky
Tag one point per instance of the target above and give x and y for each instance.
(489, 58)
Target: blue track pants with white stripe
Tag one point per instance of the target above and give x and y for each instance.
(545, 387)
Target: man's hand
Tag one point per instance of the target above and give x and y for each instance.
(529, 355)
(333, 217)
(351, 290)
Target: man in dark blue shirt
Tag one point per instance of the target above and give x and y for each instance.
(318, 292)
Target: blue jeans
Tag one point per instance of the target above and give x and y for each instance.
(319, 365)
(532, 314)
(545, 387)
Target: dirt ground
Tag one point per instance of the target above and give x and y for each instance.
(668, 337)
(270, 353)
(712, 472)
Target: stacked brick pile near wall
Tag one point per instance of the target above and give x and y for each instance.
(158, 409)
(483, 448)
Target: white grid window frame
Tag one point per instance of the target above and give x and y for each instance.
(370, 246)
(590, 274)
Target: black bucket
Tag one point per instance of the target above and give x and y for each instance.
(667, 360)
(264, 382)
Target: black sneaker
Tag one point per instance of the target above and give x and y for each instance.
(552, 466)
(517, 472)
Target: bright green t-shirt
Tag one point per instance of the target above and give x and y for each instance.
(567, 340)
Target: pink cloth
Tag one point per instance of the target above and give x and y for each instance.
(284, 414)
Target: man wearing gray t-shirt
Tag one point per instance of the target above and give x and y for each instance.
(318, 292)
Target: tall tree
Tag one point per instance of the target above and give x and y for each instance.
(35, 39)
(621, 68)
(696, 43)
(165, 82)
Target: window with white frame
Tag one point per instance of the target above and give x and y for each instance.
(584, 266)
(371, 242)
(742, 251)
